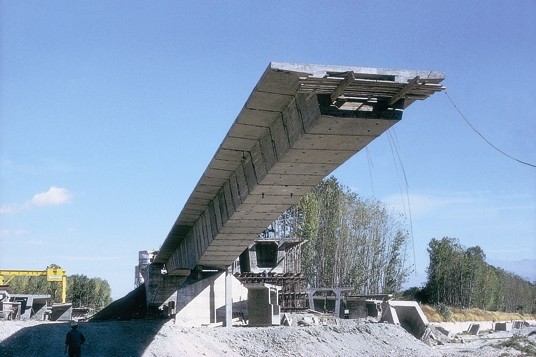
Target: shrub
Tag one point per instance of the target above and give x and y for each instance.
(444, 311)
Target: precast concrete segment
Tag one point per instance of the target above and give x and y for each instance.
(299, 124)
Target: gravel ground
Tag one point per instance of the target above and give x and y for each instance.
(483, 345)
(164, 338)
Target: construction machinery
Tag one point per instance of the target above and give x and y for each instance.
(53, 273)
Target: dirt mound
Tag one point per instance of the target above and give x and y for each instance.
(162, 338)
(131, 306)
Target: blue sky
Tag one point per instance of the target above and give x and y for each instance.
(111, 111)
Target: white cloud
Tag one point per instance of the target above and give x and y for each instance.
(8, 209)
(55, 196)
(6, 232)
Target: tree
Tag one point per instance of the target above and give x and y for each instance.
(83, 291)
(32, 285)
(350, 241)
(460, 277)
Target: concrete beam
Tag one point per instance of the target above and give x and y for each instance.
(285, 140)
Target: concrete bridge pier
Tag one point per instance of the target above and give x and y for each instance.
(159, 286)
(229, 298)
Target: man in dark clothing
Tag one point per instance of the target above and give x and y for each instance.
(74, 340)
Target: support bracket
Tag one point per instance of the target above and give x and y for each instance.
(346, 81)
(400, 94)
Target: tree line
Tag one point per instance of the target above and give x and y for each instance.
(460, 277)
(81, 290)
(349, 241)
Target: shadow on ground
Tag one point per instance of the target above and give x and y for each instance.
(114, 332)
(107, 338)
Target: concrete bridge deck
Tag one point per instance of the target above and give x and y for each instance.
(299, 124)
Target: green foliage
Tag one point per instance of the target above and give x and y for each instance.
(83, 291)
(415, 294)
(444, 310)
(36, 285)
(519, 342)
(350, 241)
(460, 277)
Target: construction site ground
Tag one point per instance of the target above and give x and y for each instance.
(165, 338)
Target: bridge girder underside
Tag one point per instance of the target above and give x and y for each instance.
(299, 124)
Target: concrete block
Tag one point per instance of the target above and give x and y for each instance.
(278, 81)
(61, 312)
(410, 315)
(229, 203)
(279, 138)
(213, 180)
(296, 179)
(328, 157)
(254, 117)
(503, 326)
(193, 253)
(159, 287)
(309, 110)
(215, 205)
(444, 331)
(219, 174)
(293, 123)
(203, 302)
(241, 183)
(357, 309)
(267, 101)
(227, 159)
(32, 306)
(293, 168)
(257, 160)
(235, 193)
(212, 217)
(330, 142)
(268, 150)
(222, 206)
(474, 329)
(263, 309)
(210, 231)
(198, 241)
(207, 190)
(389, 315)
(249, 172)
(238, 143)
(197, 233)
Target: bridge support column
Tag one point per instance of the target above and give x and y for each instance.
(228, 298)
(160, 287)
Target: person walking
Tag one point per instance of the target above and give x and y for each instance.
(74, 340)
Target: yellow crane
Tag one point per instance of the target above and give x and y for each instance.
(53, 273)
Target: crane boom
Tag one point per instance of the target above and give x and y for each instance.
(53, 273)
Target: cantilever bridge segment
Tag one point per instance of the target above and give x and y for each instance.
(299, 124)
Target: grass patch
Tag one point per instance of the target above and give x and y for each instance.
(432, 314)
(520, 343)
(460, 315)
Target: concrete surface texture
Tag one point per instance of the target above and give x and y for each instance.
(203, 303)
(299, 124)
